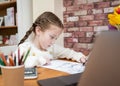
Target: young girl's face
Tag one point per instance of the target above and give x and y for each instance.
(46, 38)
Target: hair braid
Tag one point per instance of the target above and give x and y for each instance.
(27, 34)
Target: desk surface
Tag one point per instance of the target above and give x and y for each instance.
(43, 73)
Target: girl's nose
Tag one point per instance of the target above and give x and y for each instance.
(53, 41)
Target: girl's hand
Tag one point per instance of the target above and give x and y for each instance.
(83, 60)
(47, 60)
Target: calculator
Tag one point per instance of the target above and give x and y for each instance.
(30, 73)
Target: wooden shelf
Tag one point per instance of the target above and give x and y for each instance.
(6, 27)
(8, 30)
(3, 45)
(7, 4)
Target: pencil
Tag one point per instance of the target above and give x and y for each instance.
(1, 62)
(19, 56)
(21, 59)
(15, 59)
(4, 59)
(25, 57)
(11, 62)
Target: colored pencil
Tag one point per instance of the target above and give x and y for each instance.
(26, 55)
(1, 62)
(11, 61)
(21, 59)
(4, 59)
(19, 56)
(15, 59)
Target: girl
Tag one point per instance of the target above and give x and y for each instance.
(46, 28)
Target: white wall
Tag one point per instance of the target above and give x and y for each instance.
(25, 16)
(40, 6)
(58, 9)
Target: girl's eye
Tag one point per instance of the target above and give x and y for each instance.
(52, 37)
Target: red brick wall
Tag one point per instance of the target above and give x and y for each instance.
(84, 18)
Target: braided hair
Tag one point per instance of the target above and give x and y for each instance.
(43, 21)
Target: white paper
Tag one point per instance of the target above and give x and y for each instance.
(66, 66)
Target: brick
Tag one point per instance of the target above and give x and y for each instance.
(87, 17)
(100, 16)
(90, 46)
(73, 29)
(76, 24)
(86, 6)
(86, 40)
(67, 13)
(102, 5)
(72, 19)
(78, 2)
(69, 24)
(67, 3)
(101, 28)
(65, 30)
(79, 34)
(97, 11)
(67, 34)
(72, 8)
(115, 3)
(89, 12)
(92, 1)
(71, 40)
(89, 34)
(86, 29)
(81, 12)
(95, 23)
(108, 10)
(105, 22)
(68, 45)
(82, 23)
(64, 20)
(80, 45)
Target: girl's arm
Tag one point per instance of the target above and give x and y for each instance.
(61, 52)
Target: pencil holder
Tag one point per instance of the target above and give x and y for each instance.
(13, 75)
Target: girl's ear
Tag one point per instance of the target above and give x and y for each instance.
(37, 30)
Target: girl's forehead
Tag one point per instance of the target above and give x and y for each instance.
(54, 28)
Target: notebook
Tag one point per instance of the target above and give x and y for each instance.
(102, 68)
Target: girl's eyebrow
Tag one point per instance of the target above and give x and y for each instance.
(53, 34)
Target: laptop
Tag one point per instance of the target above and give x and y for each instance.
(102, 68)
(68, 80)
